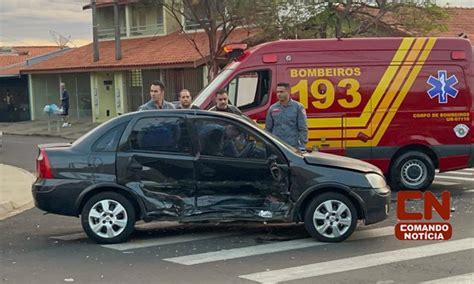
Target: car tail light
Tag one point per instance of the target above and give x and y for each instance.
(43, 166)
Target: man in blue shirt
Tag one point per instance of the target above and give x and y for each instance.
(157, 95)
(286, 119)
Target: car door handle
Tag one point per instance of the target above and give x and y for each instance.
(275, 171)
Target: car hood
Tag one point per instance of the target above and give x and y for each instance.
(330, 160)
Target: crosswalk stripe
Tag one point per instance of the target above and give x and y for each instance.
(466, 170)
(459, 279)
(144, 226)
(359, 262)
(459, 173)
(455, 178)
(167, 241)
(444, 182)
(270, 248)
(70, 237)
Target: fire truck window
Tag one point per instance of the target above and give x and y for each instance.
(250, 89)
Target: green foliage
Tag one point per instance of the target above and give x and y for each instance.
(352, 19)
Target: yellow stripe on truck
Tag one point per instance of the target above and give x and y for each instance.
(384, 110)
(376, 96)
(401, 96)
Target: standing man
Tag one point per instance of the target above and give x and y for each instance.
(222, 103)
(185, 100)
(64, 105)
(157, 95)
(287, 118)
(10, 105)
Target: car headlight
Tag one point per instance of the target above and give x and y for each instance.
(376, 181)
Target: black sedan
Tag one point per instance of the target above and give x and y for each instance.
(194, 166)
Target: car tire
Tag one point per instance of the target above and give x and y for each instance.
(413, 171)
(333, 224)
(110, 225)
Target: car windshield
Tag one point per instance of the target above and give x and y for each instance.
(274, 137)
(293, 149)
(211, 87)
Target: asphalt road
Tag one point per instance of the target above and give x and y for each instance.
(21, 151)
(37, 248)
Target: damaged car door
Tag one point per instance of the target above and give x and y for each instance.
(155, 160)
(240, 176)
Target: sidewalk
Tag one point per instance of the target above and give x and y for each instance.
(40, 128)
(15, 191)
(15, 183)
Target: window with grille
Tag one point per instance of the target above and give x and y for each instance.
(136, 78)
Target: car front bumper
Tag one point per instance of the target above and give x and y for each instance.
(376, 205)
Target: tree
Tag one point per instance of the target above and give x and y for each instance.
(218, 19)
(349, 18)
(280, 19)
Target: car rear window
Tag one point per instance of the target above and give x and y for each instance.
(108, 142)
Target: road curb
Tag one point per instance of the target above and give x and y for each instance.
(15, 191)
(8, 209)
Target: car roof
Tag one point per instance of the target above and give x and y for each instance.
(221, 114)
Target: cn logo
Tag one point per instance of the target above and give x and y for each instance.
(423, 230)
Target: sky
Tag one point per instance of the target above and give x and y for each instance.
(28, 22)
(454, 3)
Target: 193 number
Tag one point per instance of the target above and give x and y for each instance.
(324, 94)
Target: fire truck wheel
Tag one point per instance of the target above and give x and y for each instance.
(412, 170)
(330, 217)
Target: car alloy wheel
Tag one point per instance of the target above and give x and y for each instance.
(108, 217)
(331, 217)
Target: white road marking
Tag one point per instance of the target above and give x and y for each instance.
(459, 173)
(444, 183)
(138, 244)
(455, 178)
(459, 279)
(144, 226)
(70, 237)
(271, 248)
(359, 262)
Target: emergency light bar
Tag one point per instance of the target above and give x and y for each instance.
(235, 50)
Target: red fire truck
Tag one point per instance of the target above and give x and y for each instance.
(402, 104)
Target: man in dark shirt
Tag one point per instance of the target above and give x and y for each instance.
(185, 100)
(10, 105)
(64, 105)
(222, 103)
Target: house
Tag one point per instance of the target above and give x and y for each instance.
(12, 60)
(461, 21)
(152, 46)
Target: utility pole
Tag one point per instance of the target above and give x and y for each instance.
(118, 45)
(95, 36)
